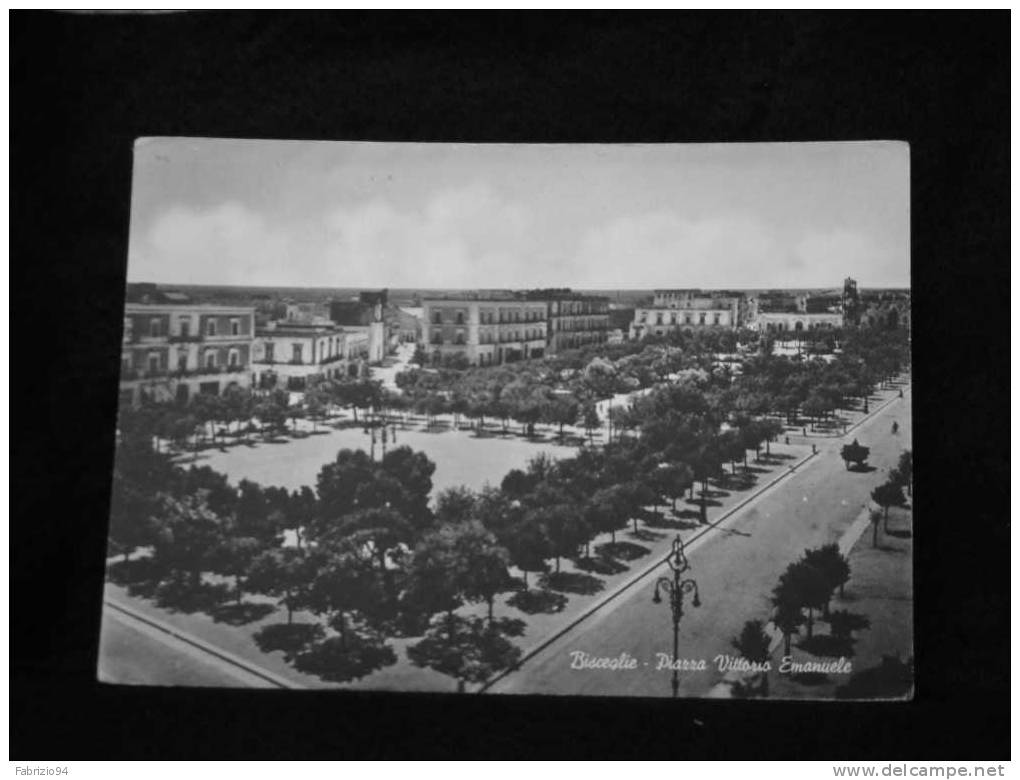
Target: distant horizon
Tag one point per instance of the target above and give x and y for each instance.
(516, 216)
(838, 287)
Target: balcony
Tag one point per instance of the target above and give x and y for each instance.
(184, 338)
(130, 374)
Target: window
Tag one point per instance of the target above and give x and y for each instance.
(715, 319)
(153, 362)
(658, 318)
(437, 318)
(234, 359)
(460, 318)
(643, 317)
(295, 353)
(269, 351)
(185, 328)
(460, 337)
(672, 318)
(210, 328)
(437, 337)
(182, 363)
(210, 359)
(235, 327)
(701, 319)
(154, 328)
(687, 319)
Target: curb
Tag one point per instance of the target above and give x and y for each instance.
(223, 655)
(846, 543)
(875, 411)
(641, 575)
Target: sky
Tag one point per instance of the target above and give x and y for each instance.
(587, 216)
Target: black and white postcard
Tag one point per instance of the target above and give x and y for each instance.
(570, 420)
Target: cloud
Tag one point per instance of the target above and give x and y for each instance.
(847, 253)
(466, 236)
(228, 244)
(462, 237)
(666, 250)
(470, 236)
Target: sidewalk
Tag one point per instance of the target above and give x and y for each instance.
(881, 590)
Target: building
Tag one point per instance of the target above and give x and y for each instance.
(573, 320)
(173, 350)
(783, 311)
(307, 313)
(286, 354)
(796, 321)
(406, 324)
(365, 314)
(486, 328)
(674, 310)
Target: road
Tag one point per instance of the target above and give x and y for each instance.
(134, 653)
(735, 567)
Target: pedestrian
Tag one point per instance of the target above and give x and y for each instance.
(901, 392)
(803, 431)
(814, 449)
(787, 439)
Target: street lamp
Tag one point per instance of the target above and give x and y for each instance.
(676, 586)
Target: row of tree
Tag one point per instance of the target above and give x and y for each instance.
(891, 493)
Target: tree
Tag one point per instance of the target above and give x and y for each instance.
(354, 481)
(874, 516)
(482, 564)
(590, 419)
(833, 566)
(842, 624)
(518, 483)
(787, 617)
(562, 411)
(271, 414)
(282, 572)
(315, 406)
(607, 510)
(886, 495)
(187, 535)
(903, 474)
(731, 447)
(673, 480)
(753, 645)
(565, 529)
(413, 470)
(302, 507)
(253, 516)
(816, 406)
(140, 475)
(770, 429)
(804, 585)
(638, 495)
(233, 557)
(455, 505)
(468, 649)
(528, 546)
(343, 588)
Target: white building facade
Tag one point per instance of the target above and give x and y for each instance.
(174, 351)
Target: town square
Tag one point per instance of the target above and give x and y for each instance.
(521, 481)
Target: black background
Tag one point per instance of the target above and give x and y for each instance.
(83, 87)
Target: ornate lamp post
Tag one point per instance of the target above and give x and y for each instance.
(676, 587)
